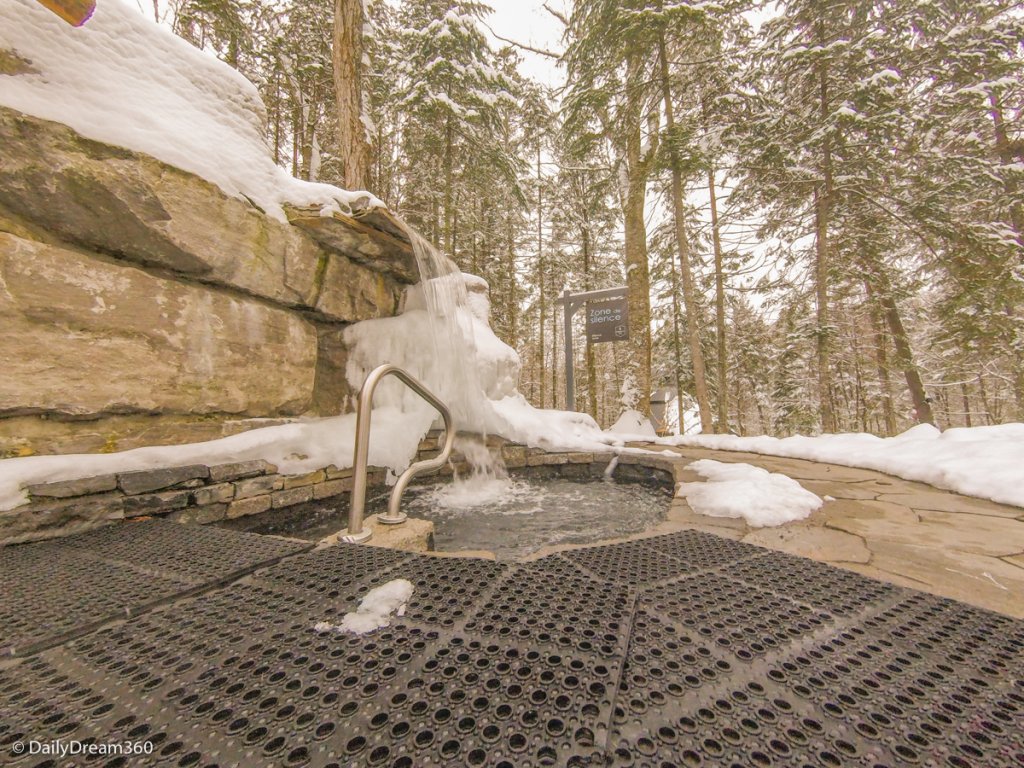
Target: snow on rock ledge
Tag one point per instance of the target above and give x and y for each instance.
(123, 80)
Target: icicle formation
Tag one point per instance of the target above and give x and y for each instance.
(442, 289)
(442, 338)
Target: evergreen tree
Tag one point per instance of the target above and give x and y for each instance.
(450, 105)
(610, 99)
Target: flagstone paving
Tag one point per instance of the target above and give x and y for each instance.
(900, 531)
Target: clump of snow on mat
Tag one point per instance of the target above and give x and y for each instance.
(977, 461)
(760, 497)
(374, 610)
(121, 79)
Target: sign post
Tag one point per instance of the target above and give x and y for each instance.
(607, 320)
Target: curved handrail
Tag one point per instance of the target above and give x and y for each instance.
(361, 454)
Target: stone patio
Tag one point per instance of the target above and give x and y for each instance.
(895, 530)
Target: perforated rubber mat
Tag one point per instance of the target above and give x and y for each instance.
(681, 650)
(55, 590)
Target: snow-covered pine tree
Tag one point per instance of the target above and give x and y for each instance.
(350, 59)
(967, 180)
(450, 98)
(697, 46)
(824, 136)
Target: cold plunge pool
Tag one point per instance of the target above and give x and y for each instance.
(511, 517)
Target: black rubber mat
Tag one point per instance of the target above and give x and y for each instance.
(683, 650)
(52, 591)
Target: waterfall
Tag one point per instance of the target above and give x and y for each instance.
(442, 294)
(441, 336)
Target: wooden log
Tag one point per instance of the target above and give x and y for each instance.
(74, 12)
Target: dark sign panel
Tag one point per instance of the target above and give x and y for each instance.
(607, 320)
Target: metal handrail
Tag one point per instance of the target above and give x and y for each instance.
(362, 447)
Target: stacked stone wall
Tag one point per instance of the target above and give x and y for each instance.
(201, 494)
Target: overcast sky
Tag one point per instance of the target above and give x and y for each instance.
(527, 22)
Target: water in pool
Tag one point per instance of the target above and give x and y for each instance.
(514, 517)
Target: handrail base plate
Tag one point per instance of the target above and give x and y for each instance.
(356, 538)
(401, 517)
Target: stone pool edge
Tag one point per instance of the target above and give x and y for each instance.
(199, 494)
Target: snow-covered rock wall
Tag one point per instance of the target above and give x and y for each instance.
(152, 289)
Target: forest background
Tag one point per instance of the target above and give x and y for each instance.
(816, 206)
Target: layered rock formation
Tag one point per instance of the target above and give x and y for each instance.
(141, 305)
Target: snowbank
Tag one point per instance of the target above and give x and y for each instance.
(633, 425)
(123, 80)
(987, 462)
(760, 497)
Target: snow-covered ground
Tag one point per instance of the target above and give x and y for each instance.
(123, 80)
(987, 462)
(760, 497)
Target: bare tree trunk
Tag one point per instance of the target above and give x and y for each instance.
(540, 274)
(860, 407)
(474, 262)
(904, 354)
(967, 403)
(822, 214)
(722, 362)
(277, 117)
(511, 301)
(700, 384)
(638, 282)
(307, 151)
(353, 141)
(554, 360)
(1009, 155)
(591, 359)
(738, 397)
(881, 358)
(984, 400)
(297, 129)
(942, 401)
(455, 228)
(449, 140)
(762, 422)
(1018, 388)
(677, 346)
